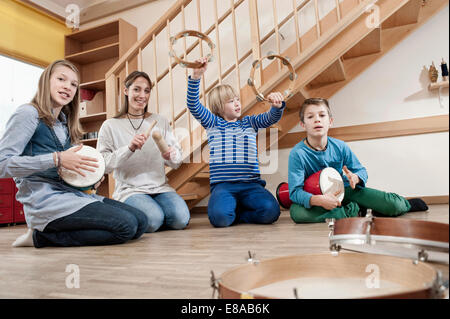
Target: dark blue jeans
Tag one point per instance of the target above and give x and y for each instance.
(101, 223)
(241, 202)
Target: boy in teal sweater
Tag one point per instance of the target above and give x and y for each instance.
(318, 151)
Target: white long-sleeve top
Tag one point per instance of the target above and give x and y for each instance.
(142, 171)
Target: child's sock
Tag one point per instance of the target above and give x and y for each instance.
(417, 205)
(25, 240)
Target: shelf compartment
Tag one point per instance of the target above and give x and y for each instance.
(98, 85)
(93, 117)
(89, 39)
(95, 55)
(90, 142)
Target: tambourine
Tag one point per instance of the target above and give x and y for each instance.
(85, 183)
(191, 33)
(258, 63)
(400, 237)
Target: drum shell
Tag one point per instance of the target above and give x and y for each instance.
(283, 195)
(312, 184)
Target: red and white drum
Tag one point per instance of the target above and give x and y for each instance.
(325, 181)
(283, 195)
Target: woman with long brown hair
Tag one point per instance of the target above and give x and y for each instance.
(137, 163)
(39, 140)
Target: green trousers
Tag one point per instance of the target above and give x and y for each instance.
(389, 204)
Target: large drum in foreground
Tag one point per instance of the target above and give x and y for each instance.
(323, 276)
(401, 237)
(85, 183)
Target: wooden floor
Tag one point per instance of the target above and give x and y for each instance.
(167, 264)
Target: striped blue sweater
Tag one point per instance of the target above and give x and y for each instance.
(233, 151)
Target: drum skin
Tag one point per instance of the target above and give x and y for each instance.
(85, 183)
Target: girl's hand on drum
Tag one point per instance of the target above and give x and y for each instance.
(198, 73)
(171, 153)
(276, 99)
(72, 161)
(352, 178)
(137, 142)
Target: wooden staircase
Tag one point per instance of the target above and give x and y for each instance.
(342, 45)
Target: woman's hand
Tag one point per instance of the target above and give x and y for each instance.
(137, 142)
(276, 99)
(75, 162)
(198, 73)
(171, 153)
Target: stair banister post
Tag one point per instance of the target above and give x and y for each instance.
(256, 41)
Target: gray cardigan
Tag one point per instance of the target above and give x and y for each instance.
(43, 200)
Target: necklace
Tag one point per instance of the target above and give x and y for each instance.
(135, 128)
(136, 114)
(318, 150)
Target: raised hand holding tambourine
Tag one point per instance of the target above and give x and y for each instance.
(258, 64)
(190, 33)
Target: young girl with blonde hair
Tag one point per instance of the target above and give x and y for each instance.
(38, 141)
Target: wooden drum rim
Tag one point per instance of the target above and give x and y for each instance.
(230, 285)
(258, 63)
(190, 33)
(394, 227)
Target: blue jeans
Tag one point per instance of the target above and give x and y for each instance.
(164, 209)
(241, 202)
(101, 223)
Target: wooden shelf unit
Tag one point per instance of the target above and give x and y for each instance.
(94, 51)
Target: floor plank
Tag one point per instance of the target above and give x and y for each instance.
(167, 264)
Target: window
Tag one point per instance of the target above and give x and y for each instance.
(18, 85)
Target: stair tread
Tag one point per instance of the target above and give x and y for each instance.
(189, 196)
